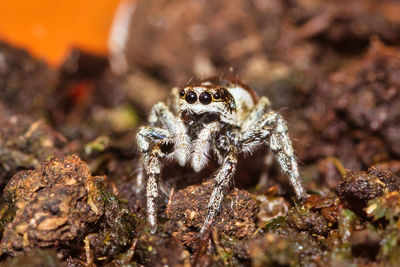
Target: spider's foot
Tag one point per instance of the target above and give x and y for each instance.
(152, 222)
(206, 226)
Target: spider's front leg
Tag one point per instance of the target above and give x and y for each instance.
(150, 141)
(159, 116)
(222, 180)
(272, 130)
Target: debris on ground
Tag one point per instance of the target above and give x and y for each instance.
(25, 142)
(55, 205)
(187, 210)
(357, 188)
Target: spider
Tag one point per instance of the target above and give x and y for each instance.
(219, 117)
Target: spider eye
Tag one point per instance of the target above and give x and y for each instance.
(205, 98)
(217, 95)
(191, 97)
(182, 93)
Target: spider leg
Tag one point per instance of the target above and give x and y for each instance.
(262, 107)
(140, 179)
(159, 116)
(272, 130)
(149, 141)
(201, 146)
(222, 180)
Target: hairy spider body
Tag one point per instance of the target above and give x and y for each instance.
(217, 117)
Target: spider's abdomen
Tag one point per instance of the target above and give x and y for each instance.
(243, 99)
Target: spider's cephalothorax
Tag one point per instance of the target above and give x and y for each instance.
(217, 117)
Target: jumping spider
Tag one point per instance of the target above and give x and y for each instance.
(221, 116)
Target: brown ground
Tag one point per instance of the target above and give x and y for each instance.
(68, 161)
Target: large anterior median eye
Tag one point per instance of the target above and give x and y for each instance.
(191, 97)
(205, 98)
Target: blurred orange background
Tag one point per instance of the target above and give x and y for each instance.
(48, 28)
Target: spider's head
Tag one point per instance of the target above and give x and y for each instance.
(207, 98)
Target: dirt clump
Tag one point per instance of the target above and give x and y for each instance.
(36, 257)
(365, 243)
(316, 215)
(54, 205)
(25, 142)
(115, 230)
(284, 247)
(153, 250)
(271, 207)
(357, 188)
(26, 83)
(188, 208)
(352, 116)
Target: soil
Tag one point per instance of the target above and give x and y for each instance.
(68, 163)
